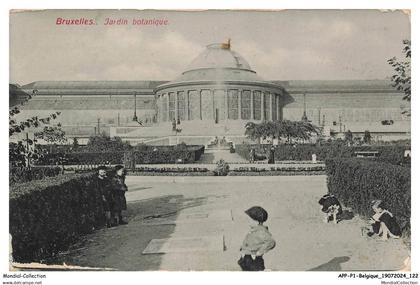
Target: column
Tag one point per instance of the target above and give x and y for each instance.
(176, 105)
(200, 104)
(262, 105)
(252, 104)
(271, 106)
(186, 111)
(239, 104)
(212, 104)
(280, 112)
(158, 111)
(226, 105)
(167, 108)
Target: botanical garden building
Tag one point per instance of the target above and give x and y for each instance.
(215, 95)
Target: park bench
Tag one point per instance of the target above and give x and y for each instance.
(366, 153)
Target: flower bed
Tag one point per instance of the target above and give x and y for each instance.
(278, 171)
(139, 173)
(170, 171)
(48, 215)
(280, 168)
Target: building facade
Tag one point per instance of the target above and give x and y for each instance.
(216, 95)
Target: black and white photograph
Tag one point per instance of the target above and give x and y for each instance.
(210, 140)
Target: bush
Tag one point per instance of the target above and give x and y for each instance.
(25, 174)
(47, 216)
(356, 182)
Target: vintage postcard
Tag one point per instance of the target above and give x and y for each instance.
(214, 140)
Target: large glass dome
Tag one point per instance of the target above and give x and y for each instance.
(218, 63)
(219, 85)
(219, 56)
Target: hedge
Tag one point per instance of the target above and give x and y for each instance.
(25, 174)
(143, 154)
(47, 216)
(387, 153)
(83, 158)
(356, 182)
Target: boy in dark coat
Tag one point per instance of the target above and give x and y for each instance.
(118, 193)
(103, 184)
(257, 242)
(331, 207)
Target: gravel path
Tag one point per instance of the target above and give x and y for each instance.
(304, 242)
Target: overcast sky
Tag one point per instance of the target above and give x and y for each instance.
(280, 45)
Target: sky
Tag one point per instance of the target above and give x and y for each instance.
(279, 45)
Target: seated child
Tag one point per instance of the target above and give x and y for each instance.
(383, 222)
(257, 242)
(331, 207)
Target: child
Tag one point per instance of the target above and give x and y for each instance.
(331, 207)
(257, 242)
(103, 186)
(119, 189)
(383, 222)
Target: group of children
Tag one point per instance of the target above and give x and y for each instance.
(112, 191)
(259, 240)
(383, 222)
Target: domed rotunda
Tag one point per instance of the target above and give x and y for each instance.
(219, 85)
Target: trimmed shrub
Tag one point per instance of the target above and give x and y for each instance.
(356, 182)
(47, 216)
(25, 174)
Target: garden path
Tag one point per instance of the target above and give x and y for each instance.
(157, 205)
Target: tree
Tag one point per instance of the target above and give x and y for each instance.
(104, 143)
(52, 135)
(401, 80)
(299, 130)
(348, 137)
(75, 144)
(20, 152)
(367, 137)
